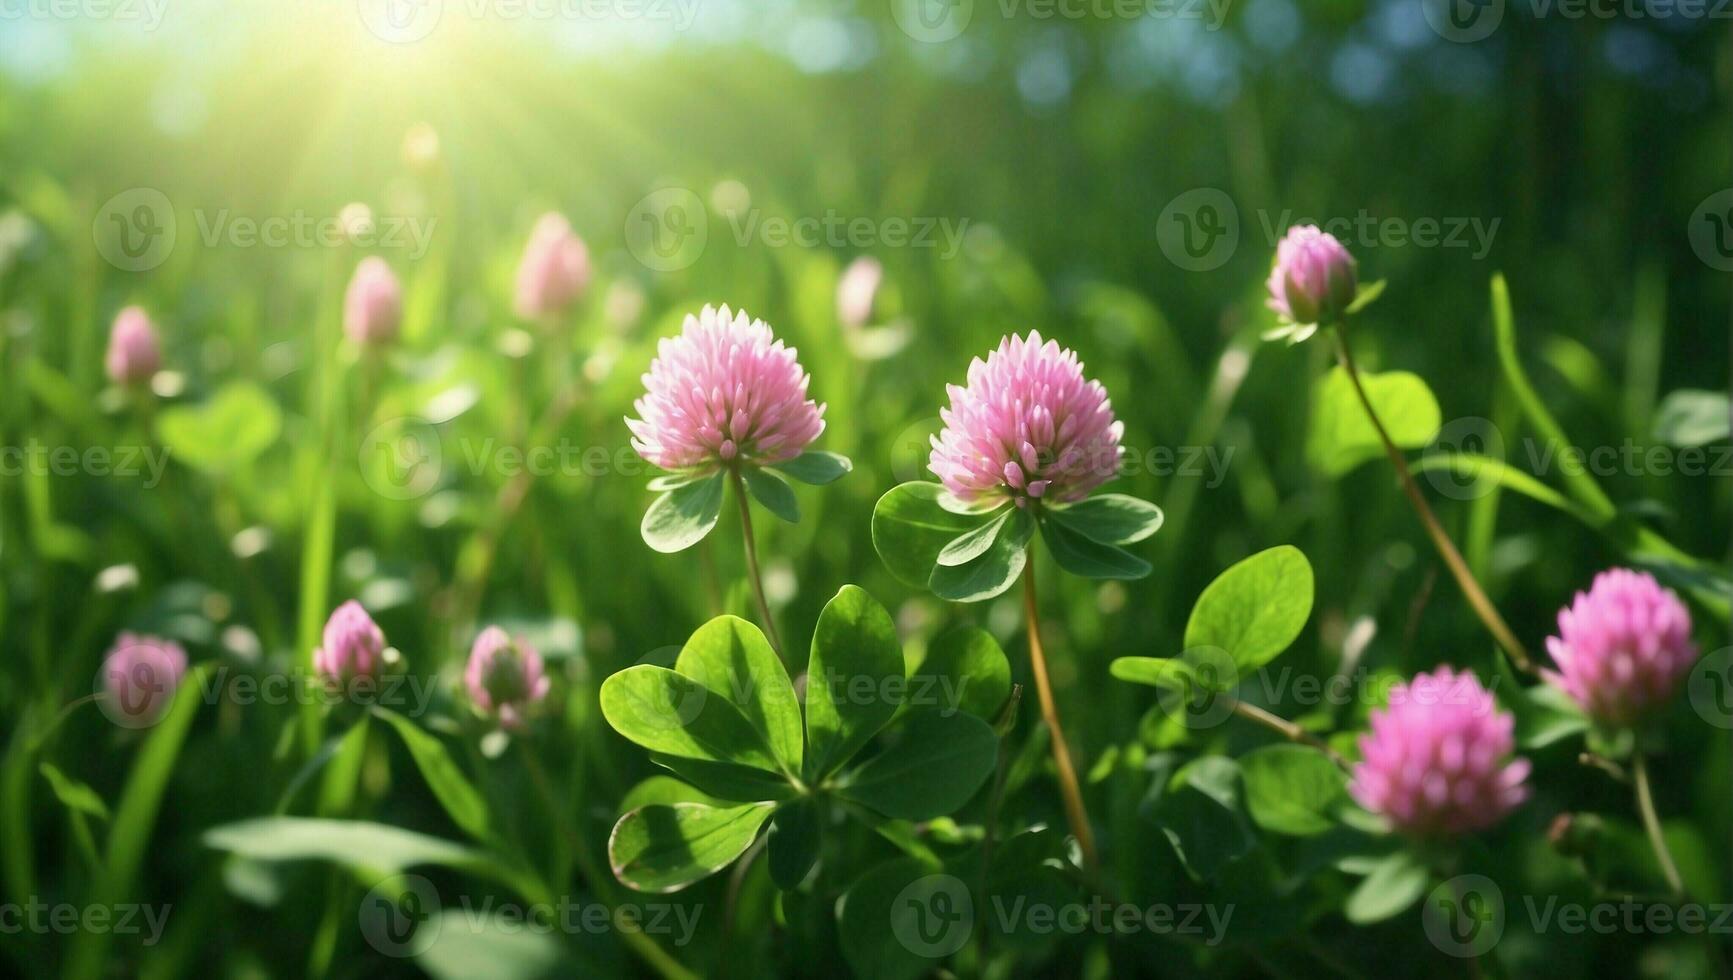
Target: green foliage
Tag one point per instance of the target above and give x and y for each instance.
(1342, 437)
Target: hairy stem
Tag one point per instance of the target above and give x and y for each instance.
(752, 572)
(1483, 606)
(1075, 813)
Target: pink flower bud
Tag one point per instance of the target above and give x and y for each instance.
(1622, 648)
(1436, 759)
(373, 306)
(1313, 280)
(354, 646)
(554, 270)
(139, 678)
(504, 677)
(857, 289)
(133, 353)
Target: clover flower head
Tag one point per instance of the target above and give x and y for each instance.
(504, 677)
(1313, 279)
(1623, 647)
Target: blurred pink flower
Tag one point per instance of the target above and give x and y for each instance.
(1313, 280)
(857, 289)
(140, 676)
(373, 306)
(724, 391)
(1623, 647)
(1028, 425)
(554, 270)
(1435, 761)
(134, 355)
(504, 677)
(354, 645)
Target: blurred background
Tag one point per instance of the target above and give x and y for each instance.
(1115, 175)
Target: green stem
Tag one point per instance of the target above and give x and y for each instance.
(1652, 824)
(1471, 589)
(752, 572)
(1075, 812)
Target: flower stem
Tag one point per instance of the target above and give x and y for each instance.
(1288, 730)
(752, 572)
(1483, 606)
(1075, 813)
(1652, 824)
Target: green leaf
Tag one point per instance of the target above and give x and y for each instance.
(468, 944)
(379, 850)
(964, 669)
(665, 790)
(1199, 815)
(726, 781)
(994, 571)
(1079, 555)
(676, 480)
(815, 467)
(1292, 789)
(793, 842)
(1255, 609)
(665, 848)
(1342, 437)
(465, 806)
(76, 796)
(680, 518)
(1169, 673)
(1394, 885)
(902, 918)
(855, 661)
(1366, 296)
(967, 547)
(910, 529)
(1110, 518)
(668, 712)
(773, 492)
(731, 657)
(936, 767)
(1693, 418)
(225, 433)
